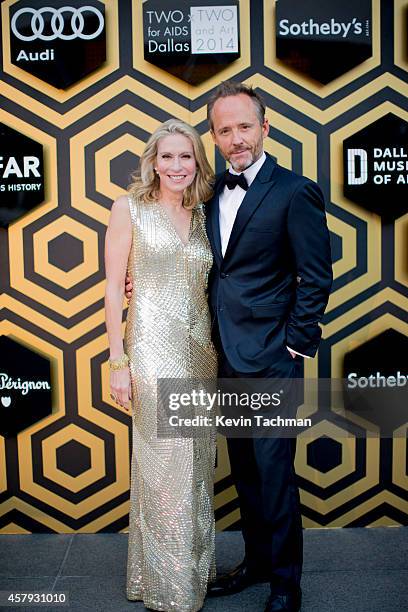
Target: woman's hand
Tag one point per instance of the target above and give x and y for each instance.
(120, 388)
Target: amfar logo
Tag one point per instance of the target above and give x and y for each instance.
(376, 381)
(333, 27)
(26, 166)
(58, 44)
(21, 171)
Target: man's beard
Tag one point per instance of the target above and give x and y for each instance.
(249, 163)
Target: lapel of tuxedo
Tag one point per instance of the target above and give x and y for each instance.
(213, 225)
(254, 196)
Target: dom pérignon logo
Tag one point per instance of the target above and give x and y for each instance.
(25, 387)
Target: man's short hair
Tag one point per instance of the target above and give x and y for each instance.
(234, 88)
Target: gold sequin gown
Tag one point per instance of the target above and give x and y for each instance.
(171, 526)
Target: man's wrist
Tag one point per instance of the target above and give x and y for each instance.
(294, 353)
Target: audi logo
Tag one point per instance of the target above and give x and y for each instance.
(57, 23)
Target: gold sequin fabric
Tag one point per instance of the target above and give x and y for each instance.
(171, 526)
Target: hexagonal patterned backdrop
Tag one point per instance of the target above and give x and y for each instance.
(64, 466)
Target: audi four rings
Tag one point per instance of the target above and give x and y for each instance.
(57, 23)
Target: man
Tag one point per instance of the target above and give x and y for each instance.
(268, 290)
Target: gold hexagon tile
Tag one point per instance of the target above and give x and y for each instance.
(348, 451)
(77, 155)
(103, 157)
(371, 478)
(67, 308)
(85, 506)
(87, 236)
(96, 447)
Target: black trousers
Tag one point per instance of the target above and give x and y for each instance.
(265, 479)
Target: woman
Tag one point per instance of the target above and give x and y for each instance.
(157, 234)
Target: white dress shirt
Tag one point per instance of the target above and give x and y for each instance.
(231, 199)
(229, 202)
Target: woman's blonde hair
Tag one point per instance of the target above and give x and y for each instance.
(146, 183)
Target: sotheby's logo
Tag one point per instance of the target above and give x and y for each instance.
(332, 28)
(375, 385)
(323, 39)
(376, 381)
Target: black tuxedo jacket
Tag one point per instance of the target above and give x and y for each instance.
(271, 288)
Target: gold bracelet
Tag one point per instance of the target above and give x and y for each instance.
(120, 363)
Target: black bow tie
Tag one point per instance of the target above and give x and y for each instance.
(232, 180)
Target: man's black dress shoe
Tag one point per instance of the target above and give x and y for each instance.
(288, 602)
(238, 580)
